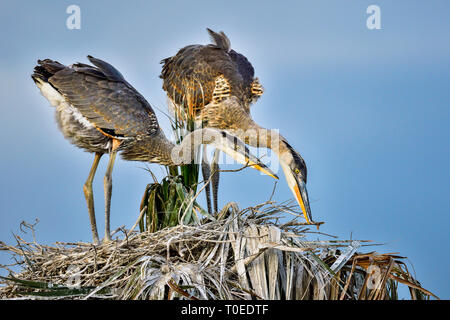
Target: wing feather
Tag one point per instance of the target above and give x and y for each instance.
(105, 99)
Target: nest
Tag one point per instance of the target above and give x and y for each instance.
(242, 254)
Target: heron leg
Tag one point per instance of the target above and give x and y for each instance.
(107, 185)
(89, 195)
(215, 178)
(206, 172)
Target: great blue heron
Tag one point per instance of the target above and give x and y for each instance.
(216, 85)
(100, 112)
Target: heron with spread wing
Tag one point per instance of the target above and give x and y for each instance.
(216, 85)
(98, 111)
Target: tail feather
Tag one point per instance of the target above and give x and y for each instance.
(45, 69)
(220, 40)
(107, 69)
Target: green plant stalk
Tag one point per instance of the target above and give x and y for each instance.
(170, 201)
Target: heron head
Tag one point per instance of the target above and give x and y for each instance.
(222, 140)
(237, 149)
(294, 168)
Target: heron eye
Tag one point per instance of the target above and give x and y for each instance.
(297, 171)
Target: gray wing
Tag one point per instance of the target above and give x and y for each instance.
(104, 98)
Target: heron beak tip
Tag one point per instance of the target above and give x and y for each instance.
(263, 169)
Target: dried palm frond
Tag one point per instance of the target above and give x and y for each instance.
(242, 254)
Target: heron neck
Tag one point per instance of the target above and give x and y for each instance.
(184, 152)
(156, 148)
(257, 136)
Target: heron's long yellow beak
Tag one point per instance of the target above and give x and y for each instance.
(243, 155)
(301, 195)
(263, 168)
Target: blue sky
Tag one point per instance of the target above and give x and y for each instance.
(369, 111)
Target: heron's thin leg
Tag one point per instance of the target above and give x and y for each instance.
(215, 178)
(206, 172)
(107, 184)
(89, 195)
